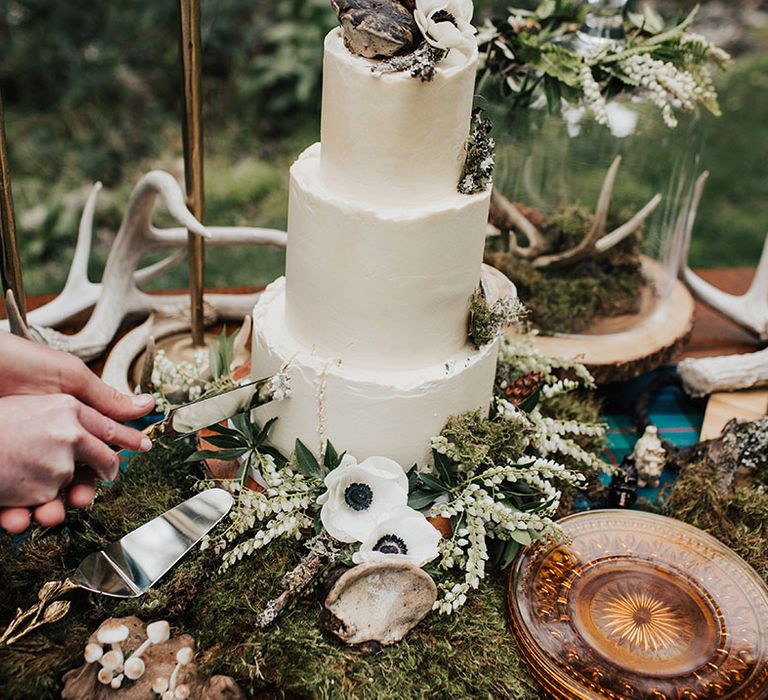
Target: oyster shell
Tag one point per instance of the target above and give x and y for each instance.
(379, 602)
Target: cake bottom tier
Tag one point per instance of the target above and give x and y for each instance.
(364, 412)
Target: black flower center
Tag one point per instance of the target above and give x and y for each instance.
(390, 544)
(443, 16)
(358, 496)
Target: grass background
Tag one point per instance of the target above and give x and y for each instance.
(92, 93)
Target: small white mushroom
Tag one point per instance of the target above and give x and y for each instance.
(105, 676)
(157, 633)
(168, 695)
(112, 632)
(182, 692)
(134, 668)
(93, 652)
(184, 656)
(160, 685)
(112, 660)
(117, 681)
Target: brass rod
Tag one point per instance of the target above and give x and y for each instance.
(192, 127)
(10, 264)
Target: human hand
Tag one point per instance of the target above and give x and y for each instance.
(41, 438)
(31, 368)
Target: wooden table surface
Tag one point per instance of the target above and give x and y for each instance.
(712, 333)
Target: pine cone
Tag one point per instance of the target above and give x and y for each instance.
(523, 387)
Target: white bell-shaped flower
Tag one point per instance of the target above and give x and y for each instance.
(360, 495)
(406, 534)
(446, 24)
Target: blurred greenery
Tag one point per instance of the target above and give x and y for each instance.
(92, 92)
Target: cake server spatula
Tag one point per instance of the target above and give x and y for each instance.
(196, 415)
(130, 566)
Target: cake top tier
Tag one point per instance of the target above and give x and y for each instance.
(392, 139)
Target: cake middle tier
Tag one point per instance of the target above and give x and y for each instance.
(369, 411)
(380, 287)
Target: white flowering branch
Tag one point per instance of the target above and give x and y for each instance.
(282, 509)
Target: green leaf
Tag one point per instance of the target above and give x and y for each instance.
(241, 422)
(225, 441)
(421, 499)
(546, 8)
(263, 432)
(444, 466)
(225, 455)
(523, 537)
(529, 403)
(214, 361)
(225, 430)
(433, 484)
(332, 458)
(306, 461)
(506, 554)
(552, 92)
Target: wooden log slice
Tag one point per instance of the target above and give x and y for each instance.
(623, 347)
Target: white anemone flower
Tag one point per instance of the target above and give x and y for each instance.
(406, 535)
(446, 24)
(359, 496)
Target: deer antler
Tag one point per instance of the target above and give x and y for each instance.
(596, 240)
(505, 216)
(748, 310)
(119, 295)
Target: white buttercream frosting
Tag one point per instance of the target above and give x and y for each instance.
(378, 287)
(392, 139)
(364, 411)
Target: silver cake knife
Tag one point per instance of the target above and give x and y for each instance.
(129, 567)
(133, 564)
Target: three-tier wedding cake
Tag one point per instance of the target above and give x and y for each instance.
(371, 319)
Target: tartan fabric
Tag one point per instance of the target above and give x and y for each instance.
(677, 416)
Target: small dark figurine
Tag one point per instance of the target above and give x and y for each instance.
(378, 28)
(623, 491)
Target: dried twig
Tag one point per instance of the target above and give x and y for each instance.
(323, 550)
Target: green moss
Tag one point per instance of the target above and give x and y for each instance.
(482, 326)
(469, 654)
(479, 440)
(737, 517)
(569, 298)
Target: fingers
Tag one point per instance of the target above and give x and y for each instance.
(82, 490)
(86, 386)
(104, 461)
(50, 514)
(112, 433)
(15, 520)
(80, 494)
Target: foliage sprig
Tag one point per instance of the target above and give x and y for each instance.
(534, 53)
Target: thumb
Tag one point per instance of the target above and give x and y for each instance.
(88, 388)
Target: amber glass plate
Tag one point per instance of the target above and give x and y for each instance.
(640, 606)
